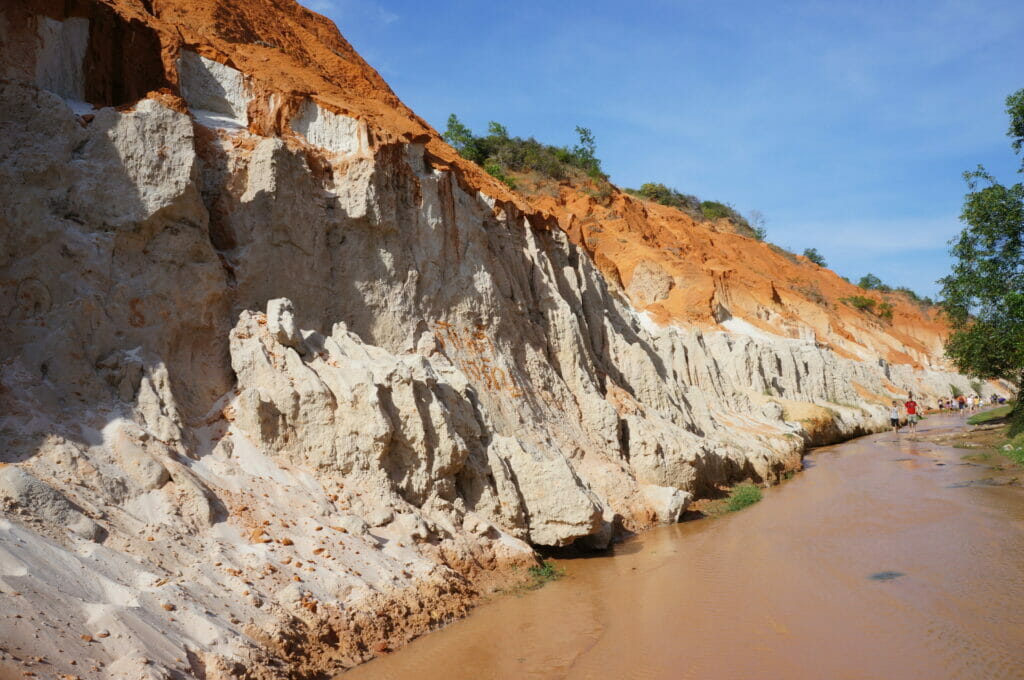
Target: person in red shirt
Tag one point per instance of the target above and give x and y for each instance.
(912, 416)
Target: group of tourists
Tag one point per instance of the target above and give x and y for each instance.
(967, 403)
(961, 403)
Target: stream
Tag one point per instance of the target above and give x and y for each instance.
(884, 558)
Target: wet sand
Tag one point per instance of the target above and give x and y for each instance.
(881, 560)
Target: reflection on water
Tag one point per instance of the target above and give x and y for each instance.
(860, 567)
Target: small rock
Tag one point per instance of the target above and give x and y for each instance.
(281, 323)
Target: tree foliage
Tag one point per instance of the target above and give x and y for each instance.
(814, 256)
(871, 282)
(984, 294)
(758, 224)
(1015, 108)
(457, 134)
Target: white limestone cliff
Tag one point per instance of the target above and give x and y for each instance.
(252, 411)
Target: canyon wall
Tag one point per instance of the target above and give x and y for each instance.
(285, 382)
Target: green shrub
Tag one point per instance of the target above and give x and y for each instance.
(860, 302)
(498, 152)
(713, 210)
(885, 310)
(954, 390)
(814, 256)
(545, 572)
(697, 209)
(914, 297)
(743, 496)
(659, 193)
(496, 171)
(872, 282)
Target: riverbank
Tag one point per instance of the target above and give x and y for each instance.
(984, 441)
(866, 565)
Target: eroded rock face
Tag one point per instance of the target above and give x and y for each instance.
(648, 284)
(319, 387)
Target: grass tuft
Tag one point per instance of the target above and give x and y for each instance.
(987, 416)
(743, 496)
(545, 572)
(1015, 452)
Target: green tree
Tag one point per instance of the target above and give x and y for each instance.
(758, 224)
(496, 129)
(585, 153)
(860, 302)
(1015, 108)
(983, 296)
(814, 256)
(871, 282)
(457, 134)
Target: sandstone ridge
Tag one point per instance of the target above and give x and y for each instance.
(284, 382)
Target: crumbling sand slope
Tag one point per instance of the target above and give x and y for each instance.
(284, 382)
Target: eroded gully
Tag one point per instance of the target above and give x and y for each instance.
(885, 558)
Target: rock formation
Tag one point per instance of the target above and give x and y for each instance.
(286, 382)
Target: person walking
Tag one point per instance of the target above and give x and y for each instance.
(912, 416)
(894, 416)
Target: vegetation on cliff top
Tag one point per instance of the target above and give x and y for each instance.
(499, 154)
(502, 156)
(984, 294)
(814, 256)
(696, 208)
(871, 282)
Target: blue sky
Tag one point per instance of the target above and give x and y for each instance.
(847, 124)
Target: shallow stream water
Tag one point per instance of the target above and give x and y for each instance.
(885, 558)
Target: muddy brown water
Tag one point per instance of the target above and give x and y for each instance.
(880, 560)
